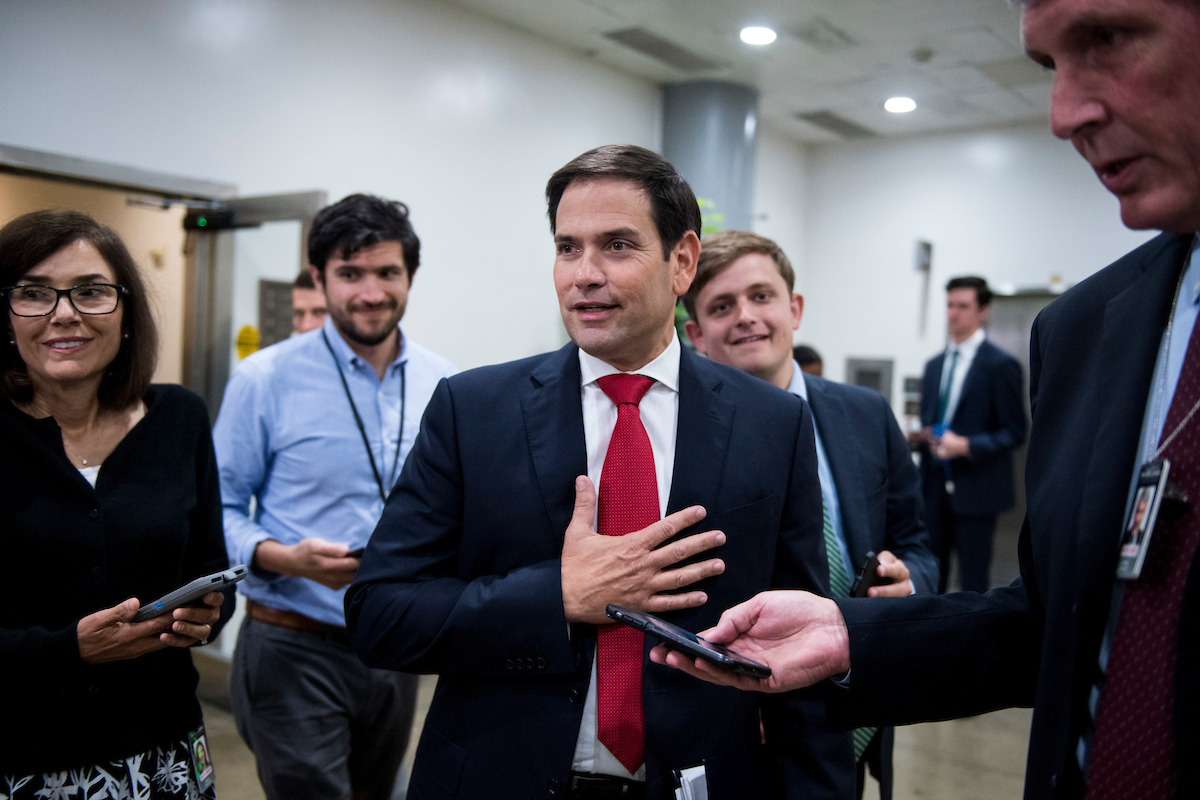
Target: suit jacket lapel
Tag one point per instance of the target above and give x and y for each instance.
(834, 427)
(553, 415)
(931, 391)
(1131, 333)
(702, 438)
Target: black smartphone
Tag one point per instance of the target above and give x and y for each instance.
(190, 593)
(356, 553)
(687, 642)
(867, 577)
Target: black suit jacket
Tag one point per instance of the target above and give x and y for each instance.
(880, 499)
(1036, 642)
(991, 415)
(462, 575)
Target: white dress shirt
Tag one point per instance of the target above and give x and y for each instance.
(659, 411)
(966, 356)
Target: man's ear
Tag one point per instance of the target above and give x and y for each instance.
(687, 255)
(797, 310)
(317, 277)
(692, 329)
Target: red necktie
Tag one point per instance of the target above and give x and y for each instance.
(627, 502)
(1133, 746)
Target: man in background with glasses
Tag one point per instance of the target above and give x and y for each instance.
(315, 430)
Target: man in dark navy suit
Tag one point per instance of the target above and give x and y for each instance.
(973, 419)
(495, 559)
(743, 311)
(1111, 666)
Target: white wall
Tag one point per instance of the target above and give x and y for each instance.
(462, 118)
(780, 186)
(1015, 205)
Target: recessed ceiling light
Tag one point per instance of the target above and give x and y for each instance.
(900, 105)
(759, 36)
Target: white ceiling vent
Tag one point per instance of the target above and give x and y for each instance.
(837, 125)
(658, 48)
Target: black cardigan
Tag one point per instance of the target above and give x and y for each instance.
(152, 523)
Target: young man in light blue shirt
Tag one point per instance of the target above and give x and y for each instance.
(316, 429)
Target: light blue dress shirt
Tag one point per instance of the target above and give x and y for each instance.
(828, 488)
(286, 437)
(1168, 366)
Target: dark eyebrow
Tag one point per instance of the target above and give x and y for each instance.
(622, 233)
(615, 233)
(95, 277)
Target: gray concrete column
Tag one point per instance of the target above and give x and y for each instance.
(710, 134)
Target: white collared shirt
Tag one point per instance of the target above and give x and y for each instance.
(966, 356)
(659, 411)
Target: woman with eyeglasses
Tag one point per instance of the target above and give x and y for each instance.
(109, 496)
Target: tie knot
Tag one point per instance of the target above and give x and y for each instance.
(623, 388)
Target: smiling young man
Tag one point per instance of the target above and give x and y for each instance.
(495, 558)
(743, 311)
(1109, 665)
(316, 429)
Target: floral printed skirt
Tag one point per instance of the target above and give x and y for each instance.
(180, 770)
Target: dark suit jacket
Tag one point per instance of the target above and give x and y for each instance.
(880, 498)
(1036, 642)
(991, 415)
(462, 575)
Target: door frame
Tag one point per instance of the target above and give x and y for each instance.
(208, 318)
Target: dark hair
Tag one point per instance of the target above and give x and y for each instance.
(983, 295)
(28, 241)
(806, 355)
(358, 221)
(673, 206)
(719, 250)
(304, 280)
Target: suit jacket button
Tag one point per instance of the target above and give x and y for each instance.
(97, 571)
(575, 696)
(509, 663)
(541, 662)
(554, 788)
(94, 513)
(529, 663)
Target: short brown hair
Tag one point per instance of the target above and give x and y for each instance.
(719, 250)
(673, 206)
(304, 280)
(28, 241)
(983, 294)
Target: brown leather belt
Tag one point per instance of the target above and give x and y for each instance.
(294, 621)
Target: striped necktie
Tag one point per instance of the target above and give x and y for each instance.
(839, 586)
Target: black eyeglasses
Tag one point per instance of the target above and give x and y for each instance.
(32, 300)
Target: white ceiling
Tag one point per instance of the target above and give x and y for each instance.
(961, 60)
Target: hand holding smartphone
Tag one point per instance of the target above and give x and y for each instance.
(687, 642)
(190, 593)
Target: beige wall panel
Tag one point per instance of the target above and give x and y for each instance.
(154, 236)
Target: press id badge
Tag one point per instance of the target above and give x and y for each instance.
(202, 767)
(1143, 514)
